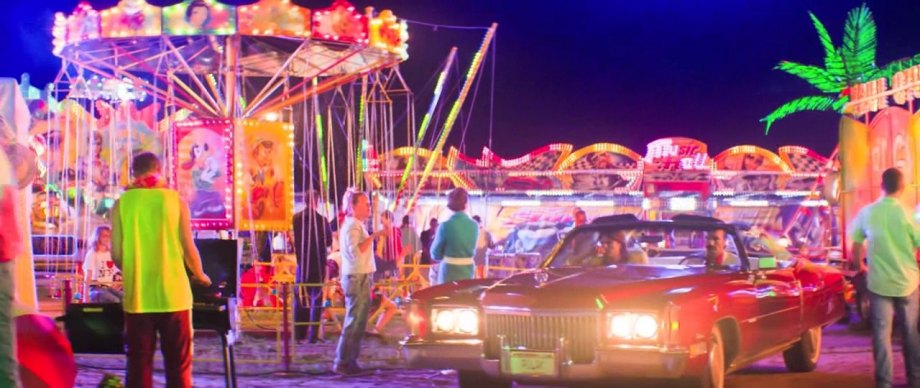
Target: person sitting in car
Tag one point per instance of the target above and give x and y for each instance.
(716, 254)
(612, 249)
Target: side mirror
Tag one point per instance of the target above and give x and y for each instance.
(765, 263)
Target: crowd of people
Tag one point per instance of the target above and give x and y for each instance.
(359, 258)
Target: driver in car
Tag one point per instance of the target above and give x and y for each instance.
(612, 249)
(716, 254)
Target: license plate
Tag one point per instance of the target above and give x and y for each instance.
(532, 364)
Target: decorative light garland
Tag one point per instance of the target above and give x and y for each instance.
(455, 109)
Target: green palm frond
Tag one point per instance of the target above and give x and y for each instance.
(809, 103)
(816, 76)
(899, 65)
(832, 61)
(841, 102)
(859, 45)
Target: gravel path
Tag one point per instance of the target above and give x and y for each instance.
(846, 362)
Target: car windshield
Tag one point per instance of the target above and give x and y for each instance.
(598, 245)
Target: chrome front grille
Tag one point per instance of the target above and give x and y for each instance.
(542, 332)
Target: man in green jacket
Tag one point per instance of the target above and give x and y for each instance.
(455, 241)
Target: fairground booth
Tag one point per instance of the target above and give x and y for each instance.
(527, 203)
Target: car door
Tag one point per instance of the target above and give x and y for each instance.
(779, 303)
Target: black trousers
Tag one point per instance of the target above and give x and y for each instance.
(308, 309)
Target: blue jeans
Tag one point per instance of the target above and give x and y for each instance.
(9, 367)
(357, 289)
(882, 309)
(103, 294)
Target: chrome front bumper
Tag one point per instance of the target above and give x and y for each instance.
(608, 363)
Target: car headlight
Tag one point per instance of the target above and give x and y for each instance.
(455, 320)
(632, 326)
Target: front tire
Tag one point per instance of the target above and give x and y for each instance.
(713, 375)
(804, 355)
(473, 379)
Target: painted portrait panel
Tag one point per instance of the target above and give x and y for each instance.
(131, 18)
(274, 17)
(265, 176)
(203, 171)
(199, 17)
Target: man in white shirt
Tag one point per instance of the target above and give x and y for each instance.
(357, 271)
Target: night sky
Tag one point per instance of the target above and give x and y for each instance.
(582, 72)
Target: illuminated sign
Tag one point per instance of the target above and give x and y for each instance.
(906, 85)
(677, 153)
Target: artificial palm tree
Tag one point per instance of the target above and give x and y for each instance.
(850, 64)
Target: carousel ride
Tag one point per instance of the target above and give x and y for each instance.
(240, 102)
(245, 105)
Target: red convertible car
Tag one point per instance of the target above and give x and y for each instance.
(626, 298)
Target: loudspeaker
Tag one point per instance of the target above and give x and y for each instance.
(96, 328)
(220, 261)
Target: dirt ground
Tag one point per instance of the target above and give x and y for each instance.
(846, 362)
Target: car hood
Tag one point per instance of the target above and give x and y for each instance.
(596, 288)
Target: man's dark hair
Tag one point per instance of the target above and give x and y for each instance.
(477, 219)
(891, 180)
(457, 199)
(405, 220)
(144, 163)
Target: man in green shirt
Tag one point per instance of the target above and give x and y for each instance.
(893, 276)
(152, 243)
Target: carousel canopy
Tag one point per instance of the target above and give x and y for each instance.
(273, 33)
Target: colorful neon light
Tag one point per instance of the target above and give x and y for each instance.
(455, 109)
(426, 120)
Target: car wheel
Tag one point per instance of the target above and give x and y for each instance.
(713, 375)
(804, 355)
(474, 379)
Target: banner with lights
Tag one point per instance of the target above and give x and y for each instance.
(529, 172)
(676, 164)
(265, 176)
(203, 171)
(131, 18)
(274, 17)
(82, 24)
(389, 33)
(749, 169)
(199, 17)
(340, 22)
(670, 165)
(601, 167)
